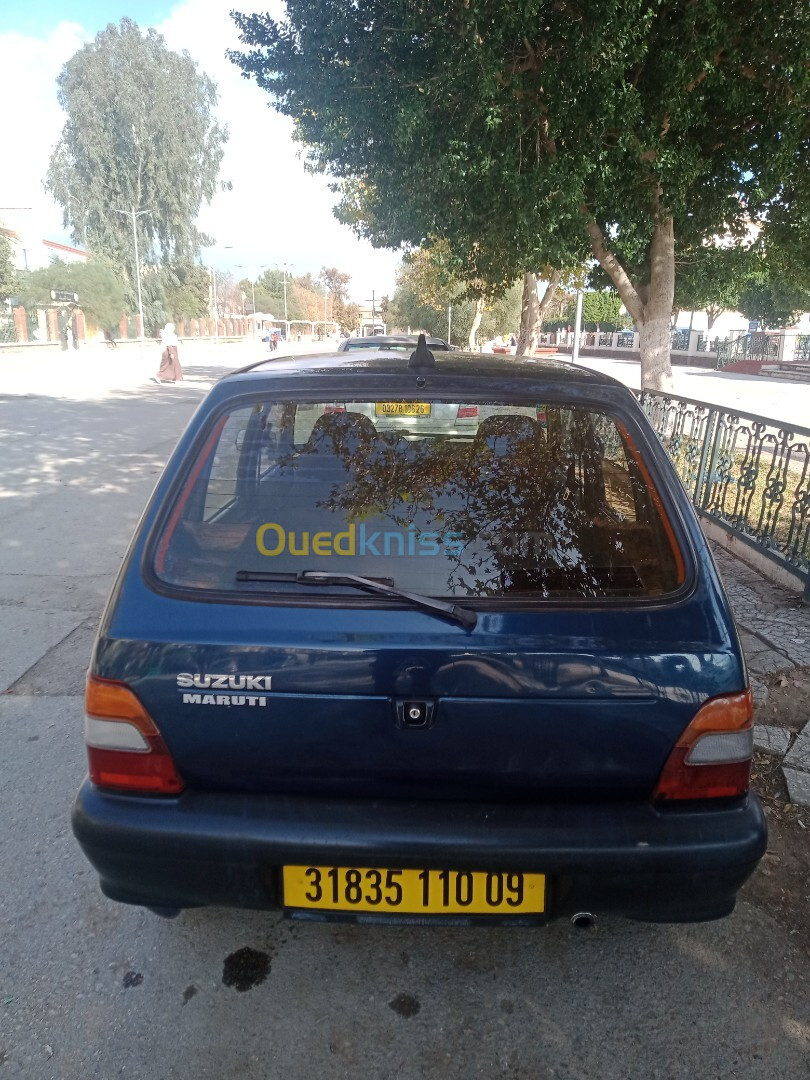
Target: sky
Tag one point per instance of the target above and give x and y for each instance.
(275, 214)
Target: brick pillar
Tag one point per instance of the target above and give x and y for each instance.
(123, 328)
(211, 328)
(53, 325)
(20, 325)
(181, 328)
(81, 325)
(138, 326)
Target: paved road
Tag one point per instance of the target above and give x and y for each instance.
(90, 989)
(783, 400)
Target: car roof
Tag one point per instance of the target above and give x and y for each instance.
(364, 363)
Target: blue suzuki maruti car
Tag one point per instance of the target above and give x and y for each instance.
(420, 639)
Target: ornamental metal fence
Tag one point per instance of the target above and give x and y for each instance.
(801, 352)
(760, 347)
(750, 474)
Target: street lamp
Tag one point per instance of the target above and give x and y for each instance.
(284, 265)
(240, 266)
(133, 213)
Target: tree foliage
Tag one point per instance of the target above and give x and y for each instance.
(187, 290)
(8, 277)
(601, 310)
(544, 131)
(342, 310)
(139, 133)
(775, 304)
(96, 282)
(712, 278)
(427, 287)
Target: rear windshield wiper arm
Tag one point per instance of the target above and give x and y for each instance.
(440, 608)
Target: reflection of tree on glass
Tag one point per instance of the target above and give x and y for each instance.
(523, 502)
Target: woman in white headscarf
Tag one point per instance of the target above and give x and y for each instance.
(170, 370)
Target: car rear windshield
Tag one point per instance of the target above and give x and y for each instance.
(450, 499)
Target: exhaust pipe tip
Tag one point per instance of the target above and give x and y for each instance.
(583, 920)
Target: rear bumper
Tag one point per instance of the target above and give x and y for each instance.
(684, 864)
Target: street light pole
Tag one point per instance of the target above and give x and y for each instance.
(133, 213)
(285, 297)
(577, 328)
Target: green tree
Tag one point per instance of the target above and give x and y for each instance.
(547, 131)
(8, 277)
(601, 310)
(774, 304)
(344, 313)
(187, 290)
(102, 296)
(427, 287)
(139, 133)
(712, 278)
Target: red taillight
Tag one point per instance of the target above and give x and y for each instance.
(124, 748)
(467, 412)
(712, 758)
(334, 407)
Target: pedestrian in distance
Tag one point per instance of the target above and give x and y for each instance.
(109, 340)
(170, 370)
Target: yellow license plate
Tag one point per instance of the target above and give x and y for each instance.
(413, 892)
(403, 408)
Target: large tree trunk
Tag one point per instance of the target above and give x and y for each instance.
(479, 312)
(528, 315)
(532, 310)
(651, 306)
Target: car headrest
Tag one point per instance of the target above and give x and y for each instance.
(340, 433)
(501, 434)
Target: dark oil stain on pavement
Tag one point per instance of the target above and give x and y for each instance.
(132, 978)
(245, 969)
(189, 993)
(405, 1005)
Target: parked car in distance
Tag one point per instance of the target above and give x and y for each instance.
(392, 342)
(431, 639)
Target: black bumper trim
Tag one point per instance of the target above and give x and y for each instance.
(676, 864)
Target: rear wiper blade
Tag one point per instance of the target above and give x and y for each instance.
(380, 586)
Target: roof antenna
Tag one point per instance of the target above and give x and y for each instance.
(422, 357)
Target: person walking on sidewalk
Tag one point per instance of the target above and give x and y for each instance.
(170, 370)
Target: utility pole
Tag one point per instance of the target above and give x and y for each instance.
(577, 328)
(449, 320)
(133, 213)
(285, 299)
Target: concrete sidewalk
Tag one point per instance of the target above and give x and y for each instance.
(775, 631)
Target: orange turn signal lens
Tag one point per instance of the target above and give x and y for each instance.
(712, 757)
(136, 761)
